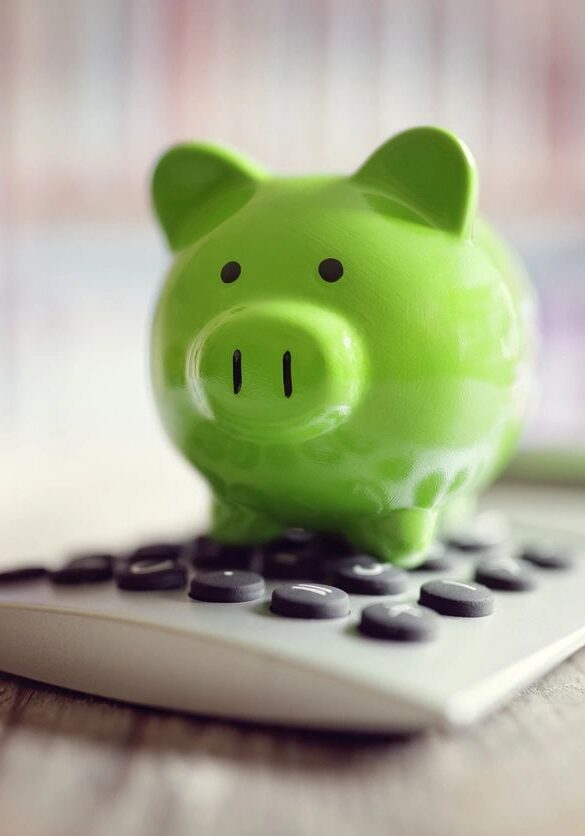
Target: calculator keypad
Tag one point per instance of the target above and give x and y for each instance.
(312, 577)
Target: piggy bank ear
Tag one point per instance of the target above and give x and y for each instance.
(196, 187)
(429, 171)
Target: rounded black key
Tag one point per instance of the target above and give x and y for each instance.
(463, 598)
(88, 568)
(323, 569)
(227, 587)
(373, 579)
(22, 574)
(504, 573)
(327, 568)
(402, 622)
(309, 600)
(206, 553)
(157, 551)
(291, 540)
(471, 542)
(547, 556)
(326, 544)
(486, 532)
(289, 565)
(301, 536)
(437, 559)
(293, 555)
(150, 574)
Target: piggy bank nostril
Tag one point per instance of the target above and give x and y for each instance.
(237, 370)
(287, 374)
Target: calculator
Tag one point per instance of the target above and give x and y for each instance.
(304, 631)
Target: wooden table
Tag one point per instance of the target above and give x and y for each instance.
(71, 765)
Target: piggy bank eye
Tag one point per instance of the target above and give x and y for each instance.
(230, 272)
(331, 270)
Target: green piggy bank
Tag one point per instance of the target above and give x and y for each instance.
(345, 354)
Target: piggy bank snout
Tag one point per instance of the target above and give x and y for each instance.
(276, 371)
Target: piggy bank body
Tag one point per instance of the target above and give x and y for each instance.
(347, 354)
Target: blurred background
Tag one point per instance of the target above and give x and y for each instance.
(91, 93)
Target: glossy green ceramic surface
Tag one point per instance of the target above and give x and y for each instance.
(365, 404)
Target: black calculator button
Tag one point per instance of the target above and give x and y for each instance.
(228, 586)
(292, 540)
(157, 551)
(332, 545)
(452, 597)
(471, 542)
(504, 573)
(370, 579)
(437, 559)
(206, 553)
(89, 568)
(403, 622)
(331, 567)
(286, 564)
(150, 574)
(21, 574)
(309, 600)
(547, 556)
(486, 532)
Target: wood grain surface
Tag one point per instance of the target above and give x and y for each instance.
(71, 765)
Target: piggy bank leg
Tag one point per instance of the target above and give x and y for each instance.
(401, 537)
(234, 523)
